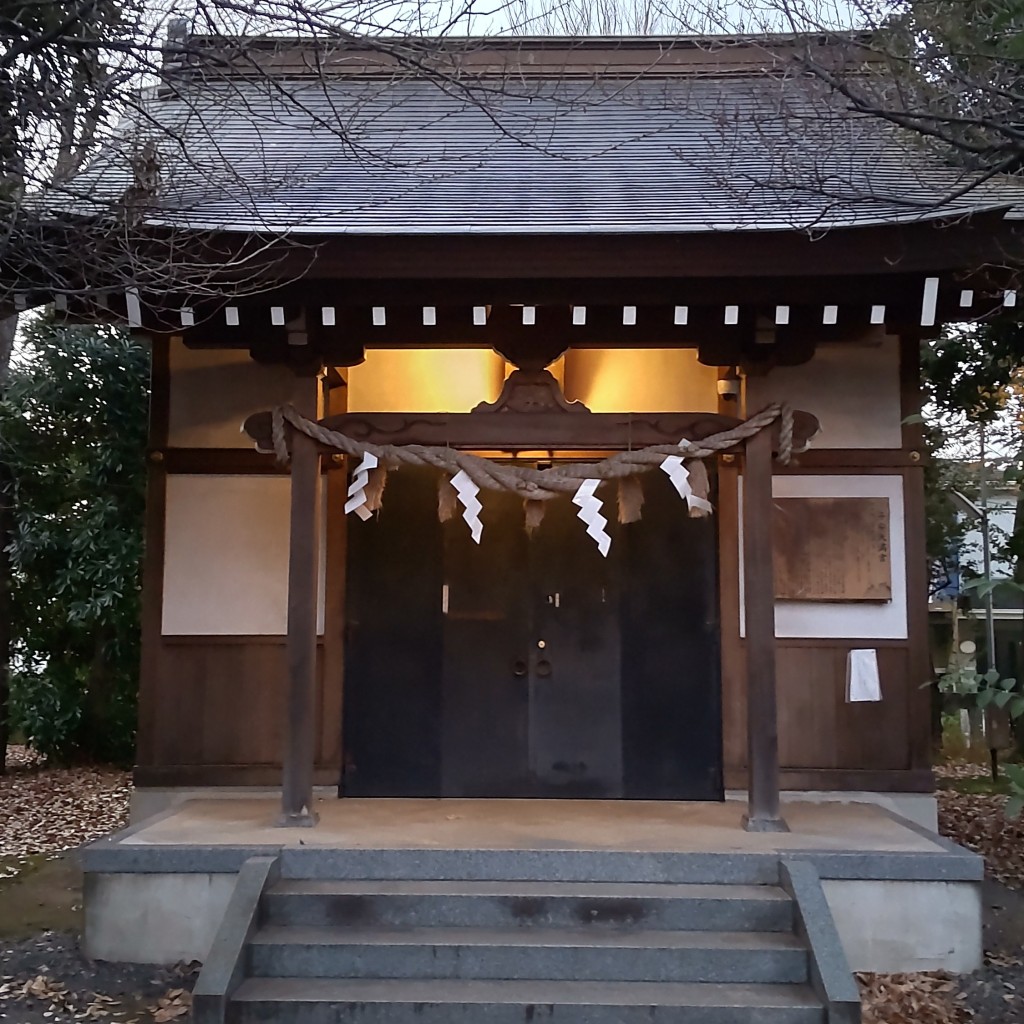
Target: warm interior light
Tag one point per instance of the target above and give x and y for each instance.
(424, 380)
(640, 380)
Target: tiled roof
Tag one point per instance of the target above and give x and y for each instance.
(537, 156)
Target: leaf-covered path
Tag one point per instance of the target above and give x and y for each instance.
(978, 821)
(50, 810)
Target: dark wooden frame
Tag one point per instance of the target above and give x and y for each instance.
(759, 605)
(303, 572)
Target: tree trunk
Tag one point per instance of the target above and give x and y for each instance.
(8, 329)
(97, 700)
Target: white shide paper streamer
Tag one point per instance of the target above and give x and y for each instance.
(357, 488)
(467, 492)
(590, 513)
(680, 476)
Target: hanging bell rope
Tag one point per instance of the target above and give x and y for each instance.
(533, 485)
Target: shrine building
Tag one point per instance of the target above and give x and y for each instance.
(560, 493)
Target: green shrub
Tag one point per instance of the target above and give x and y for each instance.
(74, 424)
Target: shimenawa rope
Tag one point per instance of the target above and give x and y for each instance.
(540, 484)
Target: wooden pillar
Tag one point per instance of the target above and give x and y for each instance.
(759, 607)
(303, 576)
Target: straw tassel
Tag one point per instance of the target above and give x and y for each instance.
(534, 514)
(375, 488)
(699, 504)
(447, 500)
(631, 499)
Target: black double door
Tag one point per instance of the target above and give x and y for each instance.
(530, 665)
(531, 656)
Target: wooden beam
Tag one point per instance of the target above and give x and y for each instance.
(352, 299)
(303, 575)
(548, 333)
(971, 241)
(763, 813)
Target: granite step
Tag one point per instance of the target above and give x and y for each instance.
(488, 904)
(389, 1001)
(311, 862)
(543, 954)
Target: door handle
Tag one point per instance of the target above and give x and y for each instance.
(544, 668)
(519, 668)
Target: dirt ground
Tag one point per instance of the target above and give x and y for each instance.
(45, 814)
(44, 978)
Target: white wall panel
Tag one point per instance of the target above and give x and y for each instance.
(226, 555)
(853, 389)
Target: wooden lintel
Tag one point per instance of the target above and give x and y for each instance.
(548, 331)
(512, 432)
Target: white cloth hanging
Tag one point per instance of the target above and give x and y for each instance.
(862, 681)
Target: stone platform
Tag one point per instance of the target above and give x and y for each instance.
(903, 898)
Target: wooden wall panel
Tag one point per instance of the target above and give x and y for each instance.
(819, 729)
(826, 743)
(222, 703)
(877, 736)
(807, 684)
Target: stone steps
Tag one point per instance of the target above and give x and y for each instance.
(488, 904)
(681, 942)
(443, 1001)
(548, 954)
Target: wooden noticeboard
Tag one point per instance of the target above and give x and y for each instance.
(832, 549)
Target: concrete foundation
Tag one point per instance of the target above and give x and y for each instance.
(153, 918)
(889, 926)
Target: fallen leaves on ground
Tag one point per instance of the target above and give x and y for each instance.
(77, 989)
(48, 810)
(979, 822)
(22, 757)
(68, 1004)
(911, 999)
(171, 1006)
(961, 770)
